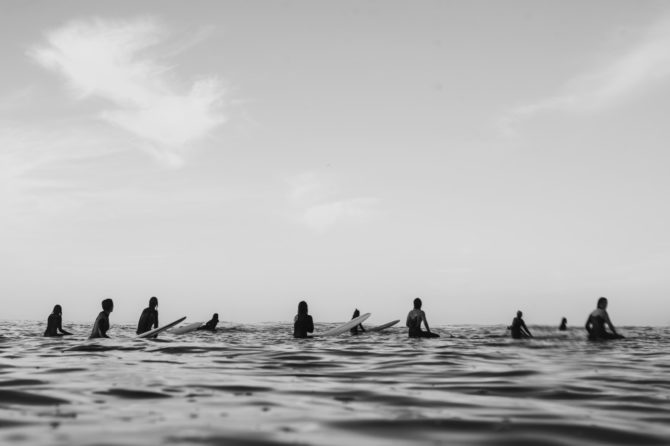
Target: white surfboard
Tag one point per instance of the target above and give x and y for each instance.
(187, 328)
(383, 326)
(155, 331)
(345, 327)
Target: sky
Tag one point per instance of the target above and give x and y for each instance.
(238, 157)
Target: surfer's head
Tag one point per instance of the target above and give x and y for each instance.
(602, 303)
(58, 310)
(302, 307)
(417, 304)
(216, 316)
(519, 314)
(356, 313)
(153, 302)
(108, 305)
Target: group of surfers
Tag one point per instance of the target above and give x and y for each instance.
(596, 324)
(148, 320)
(303, 324)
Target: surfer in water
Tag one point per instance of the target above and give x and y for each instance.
(101, 324)
(597, 320)
(55, 323)
(355, 330)
(211, 324)
(149, 317)
(302, 323)
(564, 324)
(414, 319)
(518, 327)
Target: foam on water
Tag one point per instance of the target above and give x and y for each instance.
(255, 385)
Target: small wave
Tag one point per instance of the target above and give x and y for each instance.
(28, 399)
(133, 394)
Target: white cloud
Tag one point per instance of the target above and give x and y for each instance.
(638, 68)
(319, 205)
(111, 60)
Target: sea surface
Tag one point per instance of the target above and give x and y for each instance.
(255, 385)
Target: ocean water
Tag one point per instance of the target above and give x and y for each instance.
(255, 385)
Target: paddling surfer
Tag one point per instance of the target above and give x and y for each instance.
(55, 323)
(211, 324)
(101, 324)
(564, 324)
(518, 327)
(597, 320)
(414, 319)
(358, 328)
(302, 323)
(149, 317)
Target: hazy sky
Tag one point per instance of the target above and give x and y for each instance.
(237, 157)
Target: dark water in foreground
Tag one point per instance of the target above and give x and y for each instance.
(254, 385)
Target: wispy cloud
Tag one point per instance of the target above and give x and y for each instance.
(632, 72)
(318, 204)
(111, 59)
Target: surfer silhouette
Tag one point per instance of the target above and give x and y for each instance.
(414, 319)
(101, 324)
(302, 323)
(564, 324)
(211, 324)
(55, 323)
(149, 317)
(597, 321)
(355, 330)
(518, 327)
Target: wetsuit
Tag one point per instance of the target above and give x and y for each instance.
(595, 325)
(302, 325)
(517, 332)
(54, 325)
(148, 320)
(211, 325)
(355, 330)
(414, 319)
(100, 326)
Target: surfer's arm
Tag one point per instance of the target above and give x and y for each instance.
(310, 324)
(588, 325)
(523, 324)
(425, 321)
(60, 327)
(361, 327)
(609, 322)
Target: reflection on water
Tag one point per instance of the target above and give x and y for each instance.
(255, 385)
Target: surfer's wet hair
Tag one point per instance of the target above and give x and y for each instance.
(58, 309)
(107, 304)
(153, 302)
(302, 307)
(602, 302)
(417, 303)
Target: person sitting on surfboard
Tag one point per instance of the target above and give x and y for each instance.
(354, 331)
(55, 323)
(211, 324)
(564, 324)
(597, 320)
(101, 324)
(149, 317)
(414, 319)
(302, 323)
(518, 327)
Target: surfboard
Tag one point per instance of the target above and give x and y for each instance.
(383, 326)
(155, 331)
(187, 328)
(344, 327)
